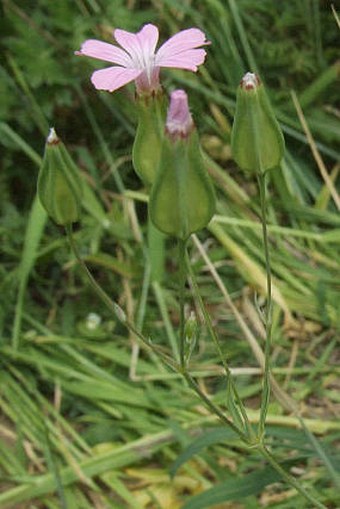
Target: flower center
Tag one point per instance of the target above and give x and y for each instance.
(148, 81)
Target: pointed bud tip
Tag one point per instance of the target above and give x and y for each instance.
(250, 81)
(52, 138)
(179, 122)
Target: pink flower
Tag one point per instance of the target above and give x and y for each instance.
(179, 122)
(137, 59)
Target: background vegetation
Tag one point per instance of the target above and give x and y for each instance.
(88, 420)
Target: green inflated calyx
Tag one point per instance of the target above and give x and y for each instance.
(182, 199)
(257, 141)
(148, 140)
(59, 183)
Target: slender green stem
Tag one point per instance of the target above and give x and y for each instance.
(289, 478)
(156, 252)
(268, 313)
(171, 334)
(110, 304)
(181, 295)
(240, 407)
(119, 313)
(215, 409)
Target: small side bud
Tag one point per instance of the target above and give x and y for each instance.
(182, 199)
(120, 314)
(257, 141)
(59, 183)
(191, 332)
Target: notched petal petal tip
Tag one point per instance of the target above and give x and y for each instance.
(188, 60)
(148, 37)
(186, 39)
(182, 50)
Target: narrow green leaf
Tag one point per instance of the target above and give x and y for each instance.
(35, 227)
(209, 437)
(234, 489)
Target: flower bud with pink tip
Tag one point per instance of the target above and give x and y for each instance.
(182, 198)
(179, 123)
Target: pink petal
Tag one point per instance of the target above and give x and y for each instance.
(148, 38)
(113, 78)
(179, 121)
(188, 60)
(104, 51)
(141, 45)
(179, 43)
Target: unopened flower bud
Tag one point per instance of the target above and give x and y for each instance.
(59, 183)
(191, 333)
(257, 141)
(120, 313)
(190, 328)
(179, 123)
(182, 199)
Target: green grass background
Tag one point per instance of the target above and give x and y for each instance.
(87, 418)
